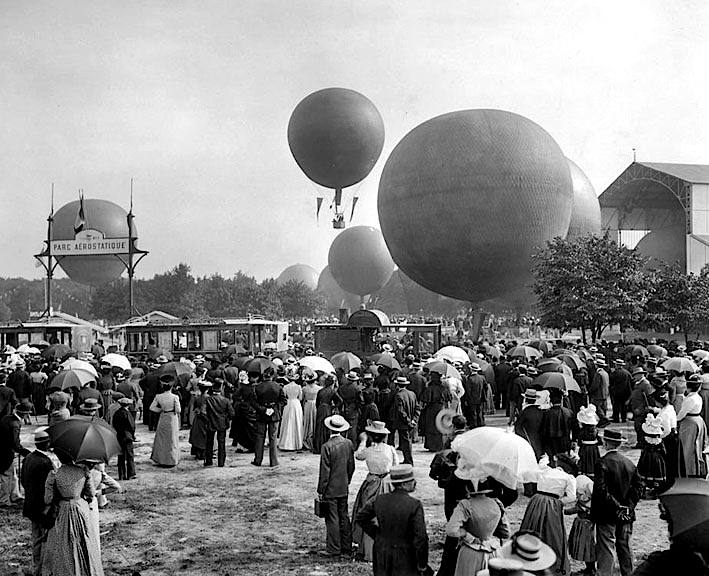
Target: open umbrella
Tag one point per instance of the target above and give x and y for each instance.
(549, 365)
(72, 378)
(234, 349)
(572, 361)
(543, 346)
(283, 355)
(687, 503)
(636, 350)
(84, 438)
(700, 355)
(491, 351)
(345, 360)
(178, 370)
(160, 352)
(584, 354)
(76, 364)
(317, 363)
(526, 352)
(657, 351)
(488, 451)
(27, 349)
(56, 352)
(680, 364)
(385, 360)
(443, 368)
(242, 361)
(557, 380)
(117, 360)
(453, 354)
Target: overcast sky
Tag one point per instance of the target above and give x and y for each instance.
(192, 101)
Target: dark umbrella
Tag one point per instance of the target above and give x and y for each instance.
(259, 364)
(636, 350)
(84, 438)
(549, 365)
(345, 360)
(443, 368)
(572, 361)
(386, 360)
(242, 361)
(687, 503)
(57, 352)
(283, 355)
(234, 349)
(657, 351)
(178, 370)
(160, 352)
(542, 345)
(526, 352)
(556, 380)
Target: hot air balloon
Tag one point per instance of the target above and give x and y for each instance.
(401, 295)
(586, 211)
(103, 216)
(336, 136)
(336, 297)
(300, 273)
(666, 245)
(359, 261)
(465, 198)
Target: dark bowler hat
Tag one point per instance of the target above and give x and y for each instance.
(24, 407)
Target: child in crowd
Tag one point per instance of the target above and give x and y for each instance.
(582, 537)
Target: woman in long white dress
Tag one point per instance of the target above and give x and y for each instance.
(166, 445)
(291, 434)
(310, 394)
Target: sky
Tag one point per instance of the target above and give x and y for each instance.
(191, 100)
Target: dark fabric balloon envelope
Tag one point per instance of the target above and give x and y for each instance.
(444, 421)
(687, 503)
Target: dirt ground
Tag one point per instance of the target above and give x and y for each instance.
(240, 519)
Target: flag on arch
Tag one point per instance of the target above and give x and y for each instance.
(80, 221)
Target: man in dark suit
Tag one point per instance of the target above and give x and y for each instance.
(616, 492)
(8, 398)
(151, 386)
(336, 469)
(124, 423)
(219, 413)
(9, 445)
(405, 416)
(20, 382)
(269, 401)
(35, 469)
(620, 384)
(474, 386)
(397, 524)
(352, 403)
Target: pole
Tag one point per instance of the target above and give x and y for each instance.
(50, 268)
(131, 305)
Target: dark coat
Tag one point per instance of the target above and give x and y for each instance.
(20, 382)
(33, 475)
(7, 400)
(337, 466)
(396, 523)
(417, 383)
(352, 400)
(616, 484)
(219, 412)
(621, 384)
(405, 414)
(529, 426)
(124, 424)
(269, 395)
(10, 441)
(151, 387)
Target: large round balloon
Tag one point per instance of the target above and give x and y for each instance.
(359, 260)
(336, 136)
(300, 273)
(101, 215)
(336, 297)
(586, 211)
(465, 199)
(666, 245)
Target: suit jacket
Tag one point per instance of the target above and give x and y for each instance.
(621, 383)
(10, 441)
(353, 402)
(7, 399)
(124, 424)
(616, 484)
(269, 395)
(33, 475)
(83, 394)
(219, 412)
(406, 410)
(417, 383)
(337, 466)
(599, 388)
(396, 523)
(151, 387)
(20, 382)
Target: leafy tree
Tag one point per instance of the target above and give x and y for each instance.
(173, 292)
(589, 283)
(5, 312)
(268, 302)
(110, 301)
(300, 301)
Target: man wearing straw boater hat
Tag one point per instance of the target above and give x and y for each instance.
(9, 445)
(617, 489)
(396, 523)
(404, 418)
(352, 402)
(336, 469)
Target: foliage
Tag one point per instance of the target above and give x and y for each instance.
(589, 283)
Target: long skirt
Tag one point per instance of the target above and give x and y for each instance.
(198, 435)
(321, 433)
(243, 427)
(471, 561)
(291, 434)
(588, 456)
(544, 517)
(582, 540)
(308, 423)
(166, 445)
(73, 545)
(652, 470)
(372, 487)
(670, 443)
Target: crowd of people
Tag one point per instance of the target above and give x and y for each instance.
(362, 412)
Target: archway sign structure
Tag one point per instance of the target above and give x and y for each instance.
(651, 196)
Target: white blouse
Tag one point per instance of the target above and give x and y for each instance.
(556, 481)
(692, 404)
(379, 457)
(668, 417)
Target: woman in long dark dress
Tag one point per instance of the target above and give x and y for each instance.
(243, 427)
(198, 430)
(558, 425)
(434, 398)
(328, 402)
(587, 437)
(651, 465)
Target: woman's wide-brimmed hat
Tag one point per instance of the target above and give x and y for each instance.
(652, 425)
(529, 550)
(587, 415)
(376, 427)
(402, 473)
(337, 423)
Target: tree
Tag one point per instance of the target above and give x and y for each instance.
(589, 283)
(299, 301)
(174, 292)
(110, 301)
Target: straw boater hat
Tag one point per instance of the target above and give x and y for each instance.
(337, 423)
(613, 435)
(90, 404)
(475, 367)
(402, 473)
(402, 381)
(638, 370)
(619, 362)
(125, 401)
(601, 361)
(530, 396)
(587, 415)
(532, 371)
(529, 550)
(41, 436)
(504, 567)
(376, 427)
(352, 377)
(368, 376)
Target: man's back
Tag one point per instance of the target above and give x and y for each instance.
(35, 469)
(616, 483)
(219, 412)
(336, 467)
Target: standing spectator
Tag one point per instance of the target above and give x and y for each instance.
(9, 445)
(518, 385)
(310, 394)
(269, 401)
(616, 492)
(218, 412)
(620, 384)
(327, 402)
(587, 438)
(528, 423)
(404, 417)
(291, 433)
(20, 382)
(151, 387)
(599, 390)
(639, 400)
(668, 417)
(7, 397)
(166, 445)
(474, 396)
(336, 469)
(33, 476)
(39, 390)
(396, 523)
(435, 397)
(692, 433)
(58, 410)
(558, 425)
(124, 424)
(352, 403)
